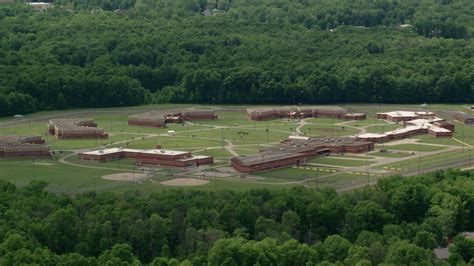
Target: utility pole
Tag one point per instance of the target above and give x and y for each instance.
(419, 158)
(222, 137)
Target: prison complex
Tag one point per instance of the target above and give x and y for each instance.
(23, 146)
(76, 128)
(161, 118)
(299, 112)
(157, 157)
(296, 151)
(414, 123)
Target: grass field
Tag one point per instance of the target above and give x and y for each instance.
(340, 162)
(391, 154)
(328, 130)
(412, 147)
(231, 131)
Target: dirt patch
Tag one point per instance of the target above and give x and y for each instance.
(125, 177)
(44, 164)
(185, 182)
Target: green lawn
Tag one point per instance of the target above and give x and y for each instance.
(429, 161)
(61, 178)
(382, 128)
(328, 130)
(340, 162)
(440, 141)
(217, 153)
(411, 147)
(290, 174)
(172, 142)
(391, 154)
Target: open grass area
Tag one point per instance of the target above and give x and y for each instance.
(290, 174)
(382, 128)
(439, 141)
(172, 142)
(411, 147)
(216, 152)
(340, 162)
(342, 181)
(431, 160)
(61, 178)
(328, 130)
(391, 154)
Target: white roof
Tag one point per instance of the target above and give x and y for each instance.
(408, 113)
(412, 125)
(194, 158)
(298, 137)
(164, 152)
(117, 150)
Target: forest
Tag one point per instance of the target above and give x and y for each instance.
(120, 53)
(396, 222)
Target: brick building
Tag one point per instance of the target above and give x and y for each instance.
(161, 118)
(159, 157)
(401, 116)
(296, 151)
(436, 127)
(464, 118)
(23, 146)
(76, 128)
(297, 112)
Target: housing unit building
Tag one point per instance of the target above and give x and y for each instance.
(76, 128)
(158, 157)
(436, 127)
(300, 112)
(161, 118)
(401, 116)
(296, 151)
(23, 146)
(464, 118)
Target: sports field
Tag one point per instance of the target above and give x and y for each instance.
(230, 135)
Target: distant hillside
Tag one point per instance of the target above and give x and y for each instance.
(117, 53)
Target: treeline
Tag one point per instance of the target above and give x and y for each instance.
(399, 221)
(252, 52)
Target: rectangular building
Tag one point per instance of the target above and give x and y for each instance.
(161, 118)
(76, 128)
(23, 146)
(297, 112)
(402, 116)
(296, 151)
(158, 157)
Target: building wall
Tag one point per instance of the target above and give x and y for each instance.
(145, 123)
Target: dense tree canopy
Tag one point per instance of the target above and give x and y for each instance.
(116, 53)
(296, 226)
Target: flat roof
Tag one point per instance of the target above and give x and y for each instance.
(298, 147)
(408, 113)
(117, 150)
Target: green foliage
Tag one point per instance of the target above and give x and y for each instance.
(120, 53)
(297, 226)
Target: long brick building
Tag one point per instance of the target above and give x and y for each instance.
(299, 112)
(161, 118)
(76, 128)
(296, 151)
(159, 157)
(23, 146)
(436, 127)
